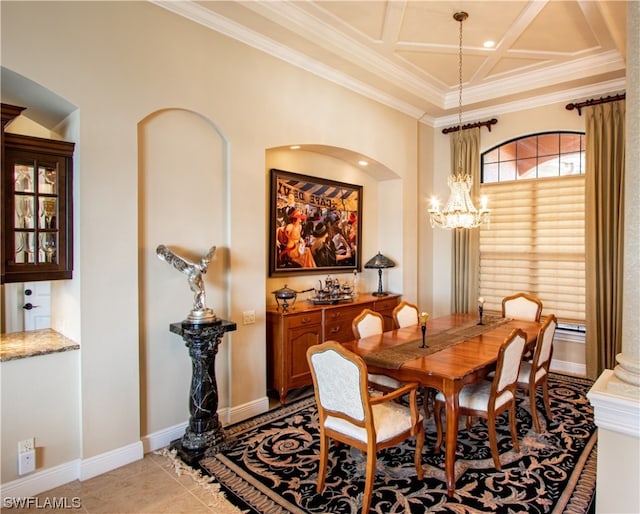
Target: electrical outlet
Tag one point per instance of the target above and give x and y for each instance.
(26, 445)
(26, 462)
(248, 317)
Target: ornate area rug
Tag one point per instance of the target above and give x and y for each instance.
(273, 466)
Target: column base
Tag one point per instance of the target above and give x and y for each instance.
(193, 457)
(189, 457)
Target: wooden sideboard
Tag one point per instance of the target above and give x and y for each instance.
(290, 333)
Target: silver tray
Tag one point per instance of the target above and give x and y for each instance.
(330, 300)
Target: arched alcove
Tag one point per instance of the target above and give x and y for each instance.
(183, 191)
(380, 184)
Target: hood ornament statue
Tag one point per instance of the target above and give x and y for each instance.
(200, 313)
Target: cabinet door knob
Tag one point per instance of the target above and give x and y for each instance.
(306, 320)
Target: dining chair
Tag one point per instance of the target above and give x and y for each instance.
(489, 399)
(371, 323)
(348, 413)
(367, 323)
(405, 314)
(535, 373)
(522, 306)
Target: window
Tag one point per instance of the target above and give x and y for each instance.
(535, 240)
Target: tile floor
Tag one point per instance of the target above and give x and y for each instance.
(147, 485)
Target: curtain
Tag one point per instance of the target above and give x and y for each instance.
(465, 253)
(604, 189)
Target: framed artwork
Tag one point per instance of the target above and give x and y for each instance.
(314, 225)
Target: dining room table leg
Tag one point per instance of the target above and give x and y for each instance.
(451, 441)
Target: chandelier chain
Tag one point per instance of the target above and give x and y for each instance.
(460, 78)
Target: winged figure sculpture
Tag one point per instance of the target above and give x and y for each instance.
(194, 272)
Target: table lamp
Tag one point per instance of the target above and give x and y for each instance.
(379, 262)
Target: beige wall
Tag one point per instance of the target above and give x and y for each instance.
(618, 474)
(40, 398)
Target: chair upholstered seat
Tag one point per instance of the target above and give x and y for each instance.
(389, 419)
(476, 396)
(384, 381)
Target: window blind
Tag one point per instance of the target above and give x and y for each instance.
(535, 243)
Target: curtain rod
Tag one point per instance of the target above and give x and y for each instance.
(487, 124)
(594, 101)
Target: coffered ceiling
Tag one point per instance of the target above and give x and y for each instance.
(405, 53)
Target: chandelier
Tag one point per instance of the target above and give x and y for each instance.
(459, 211)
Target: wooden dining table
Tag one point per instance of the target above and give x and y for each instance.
(458, 351)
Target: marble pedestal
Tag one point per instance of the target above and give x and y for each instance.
(204, 433)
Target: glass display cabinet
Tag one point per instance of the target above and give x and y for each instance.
(37, 204)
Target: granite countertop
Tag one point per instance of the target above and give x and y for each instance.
(19, 345)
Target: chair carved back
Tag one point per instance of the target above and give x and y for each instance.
(544, 348)
(508, 366)
(522, 306)
(340, 379)
(405, 314)
(367, 323)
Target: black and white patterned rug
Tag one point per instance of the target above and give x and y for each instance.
(273, 465)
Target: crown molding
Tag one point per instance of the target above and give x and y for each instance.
(567, 95)
(251, 38)
(316, 30)
(565, 72)
(606, 62)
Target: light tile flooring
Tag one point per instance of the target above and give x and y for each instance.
(147, 485)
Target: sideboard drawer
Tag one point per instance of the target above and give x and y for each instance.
(386, 304)
(305, 318)
(337, 322)
(340, 331)
(345, 313)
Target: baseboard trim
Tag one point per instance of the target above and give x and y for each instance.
(248, 410)
(162, 438)
(78, 469)
(570, 368)
(41, 481)
(104, 462)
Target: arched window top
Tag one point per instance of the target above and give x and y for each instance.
(546, 154)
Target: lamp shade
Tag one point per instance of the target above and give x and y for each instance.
(379, 261)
